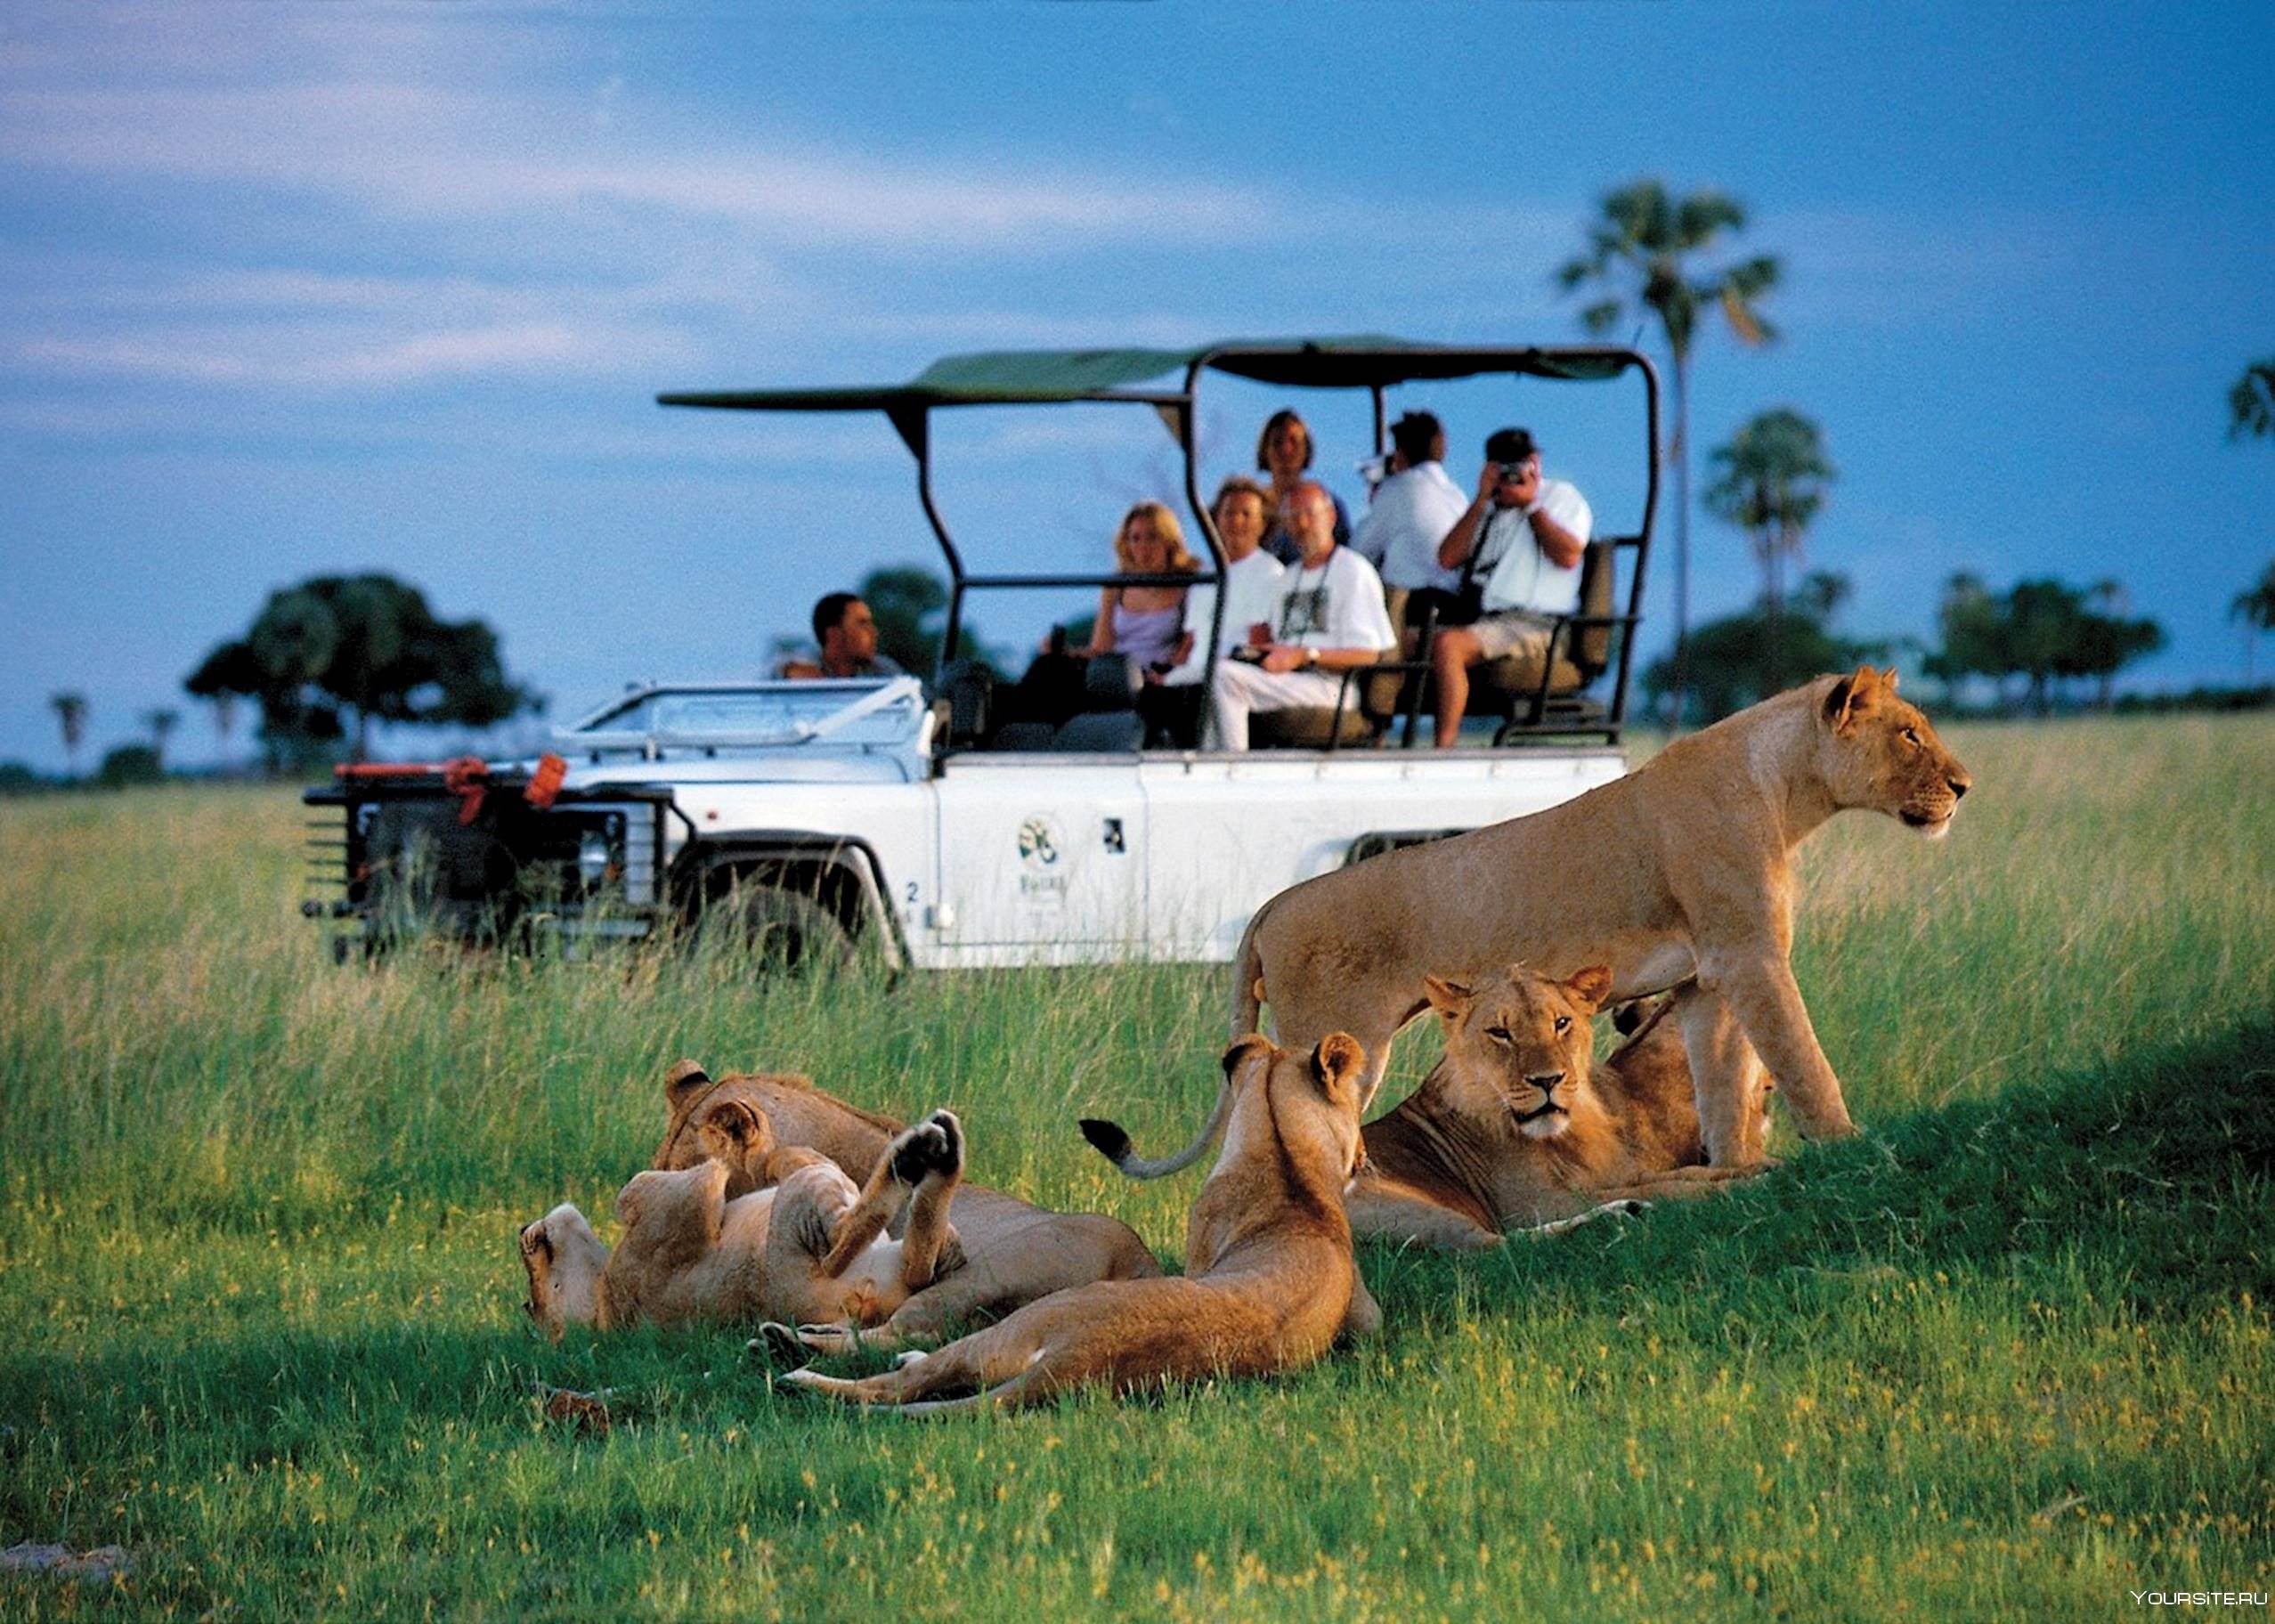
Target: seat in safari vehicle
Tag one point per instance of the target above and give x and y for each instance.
(1514, 688)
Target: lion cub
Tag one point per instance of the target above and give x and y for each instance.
(1515, 1129)
(805, 1244)
(1268, 1280)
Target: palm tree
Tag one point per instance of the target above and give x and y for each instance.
(2251, 402)
(71, 713)
(1771, 484)
(160, 722)
(2256, 610)
(1642, 251)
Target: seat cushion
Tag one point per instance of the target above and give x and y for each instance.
(1307, 727)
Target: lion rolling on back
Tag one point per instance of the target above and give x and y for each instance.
(1680, 870)
(1012, 1252)
(1268, 1280)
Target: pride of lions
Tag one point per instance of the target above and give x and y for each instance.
(1669, 892)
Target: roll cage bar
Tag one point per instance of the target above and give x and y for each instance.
(1031, 377)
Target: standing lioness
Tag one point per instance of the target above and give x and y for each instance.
(1681, 869)
(1268, 1280)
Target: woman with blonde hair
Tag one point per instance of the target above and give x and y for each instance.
(1144, 622)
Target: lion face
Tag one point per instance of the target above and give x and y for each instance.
(564, 1260)
(1882, 753)
(1527, 1040)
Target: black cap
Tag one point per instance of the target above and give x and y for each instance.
(1507, 445)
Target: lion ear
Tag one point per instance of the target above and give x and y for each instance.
(1889, 679)
(1450, 999)
(1237, 1056)
(1591, 986)
(740, 1123)
(1337, 1061)
(1849, 697)
(682, 1081)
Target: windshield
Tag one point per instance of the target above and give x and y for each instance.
(886, 711)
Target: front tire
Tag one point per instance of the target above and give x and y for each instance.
(774, 932)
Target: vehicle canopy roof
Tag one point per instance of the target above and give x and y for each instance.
(1373, 362)
(1003, 378)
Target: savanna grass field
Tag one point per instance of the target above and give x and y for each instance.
(2007, 1355)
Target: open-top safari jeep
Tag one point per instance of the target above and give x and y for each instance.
(805, 818)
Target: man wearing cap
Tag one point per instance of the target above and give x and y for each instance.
(1530, 534)
(1413, 510)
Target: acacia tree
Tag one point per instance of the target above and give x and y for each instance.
(367, 646)
(1643, 251)
(70, 715)
(2255, 608)
(2251, 402)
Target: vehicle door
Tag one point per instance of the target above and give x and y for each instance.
(1042, 851)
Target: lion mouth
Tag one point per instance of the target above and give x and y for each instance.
(1930, 823)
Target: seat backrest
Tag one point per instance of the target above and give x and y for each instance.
(1101, 730)
(1025, 736)
(1111, 682)
(969, 687)
(1592, 649)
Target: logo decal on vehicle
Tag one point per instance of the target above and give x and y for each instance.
(1038, 841)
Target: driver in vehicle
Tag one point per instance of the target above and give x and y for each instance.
(1327, 618)
(847, 634)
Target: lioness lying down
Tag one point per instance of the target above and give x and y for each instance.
(1268, 1275)
(806, 1242)
(1680, 870)
(1517, 1129)
(1012, 1252)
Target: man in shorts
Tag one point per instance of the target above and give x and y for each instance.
(1530, 533)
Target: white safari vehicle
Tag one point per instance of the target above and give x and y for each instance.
(808, 820)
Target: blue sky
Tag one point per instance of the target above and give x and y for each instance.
(295, 289)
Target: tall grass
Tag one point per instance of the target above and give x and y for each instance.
(2008, 1355)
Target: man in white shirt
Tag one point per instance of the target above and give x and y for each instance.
(1413, 510)
(1326, 619)
(1534, 535)
(1251, 581)
(1251, 594)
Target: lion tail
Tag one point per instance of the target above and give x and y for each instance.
(1112, 1142)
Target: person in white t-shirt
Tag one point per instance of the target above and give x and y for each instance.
(1327, 618)
(1534, 534)
(1252, 593)
(1413, 510)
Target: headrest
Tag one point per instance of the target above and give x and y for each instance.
(1111, 682)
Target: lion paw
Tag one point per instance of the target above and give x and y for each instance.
(780, 1346)
(828, 1340)
(934, 1145)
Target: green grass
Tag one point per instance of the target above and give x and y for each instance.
(2008, 1355)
